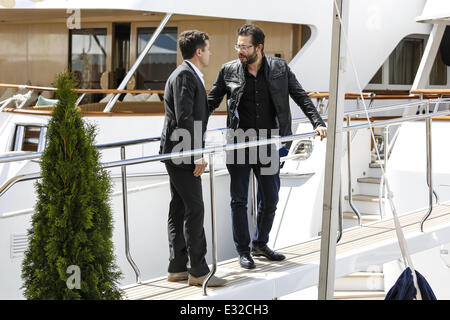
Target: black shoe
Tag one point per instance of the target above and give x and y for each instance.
(268, 253)
(246, 261)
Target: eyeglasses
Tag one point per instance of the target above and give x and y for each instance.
(242, 47)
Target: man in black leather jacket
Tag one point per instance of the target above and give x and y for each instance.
(258, 89)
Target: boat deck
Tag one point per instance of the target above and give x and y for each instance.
(370, 244)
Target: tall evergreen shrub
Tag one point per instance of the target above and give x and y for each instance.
(72, 224)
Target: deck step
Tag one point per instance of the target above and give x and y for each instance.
(377, 268)
(364, 197)
(360, 281)
(301, 261)
(372, 180)
(359, 295)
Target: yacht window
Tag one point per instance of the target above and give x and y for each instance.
(88, 58)
(121, 56)
(29, 138)
(306, 34)
(378, 77)
(438, 74)
(159, 63)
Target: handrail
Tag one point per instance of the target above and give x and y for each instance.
(138, 61)
(127, 143)
(429, 167)
(88, 91)
(20, 157)
(388, 147)
(241, 145)
(349, 172)
(414, 94)
(125, 217)
(348, 95)
(431, 92)
(214, 149)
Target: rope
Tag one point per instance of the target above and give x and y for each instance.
(19, 100)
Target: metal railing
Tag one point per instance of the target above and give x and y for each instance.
(212, 150)
(138, 61)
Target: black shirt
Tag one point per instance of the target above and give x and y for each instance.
(256, 109)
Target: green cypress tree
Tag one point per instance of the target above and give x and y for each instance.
(72, 224)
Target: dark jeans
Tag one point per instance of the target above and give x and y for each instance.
(268, 188)
(185, 224)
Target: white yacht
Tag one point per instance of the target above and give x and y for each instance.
(391, 66)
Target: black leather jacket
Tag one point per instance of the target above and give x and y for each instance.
(282, 84)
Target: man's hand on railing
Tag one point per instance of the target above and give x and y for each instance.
(200, 166)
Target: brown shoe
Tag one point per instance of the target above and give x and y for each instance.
(213, 282)
(177, 276)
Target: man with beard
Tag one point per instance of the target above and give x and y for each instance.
(185, 105)
(258, 89)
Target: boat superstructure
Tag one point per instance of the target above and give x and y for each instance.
(99, 48)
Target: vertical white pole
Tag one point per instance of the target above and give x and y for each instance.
(429, 54)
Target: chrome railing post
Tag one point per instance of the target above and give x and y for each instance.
(382, 190)
(386, 146)
(213, 223)
(141, 57)
(429, 166)
(349, 171)
(125, 217)
(254, 199)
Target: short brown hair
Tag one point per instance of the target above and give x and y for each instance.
(191, 40)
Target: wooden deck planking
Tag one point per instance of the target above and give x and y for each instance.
(301, 254)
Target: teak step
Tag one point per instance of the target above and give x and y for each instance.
(364, 216)
(364, 197)
(360, 281)
(373, 180)
(364, 274)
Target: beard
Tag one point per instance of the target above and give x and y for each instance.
(249, 59)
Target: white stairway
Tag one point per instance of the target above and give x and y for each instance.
(368, 283)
